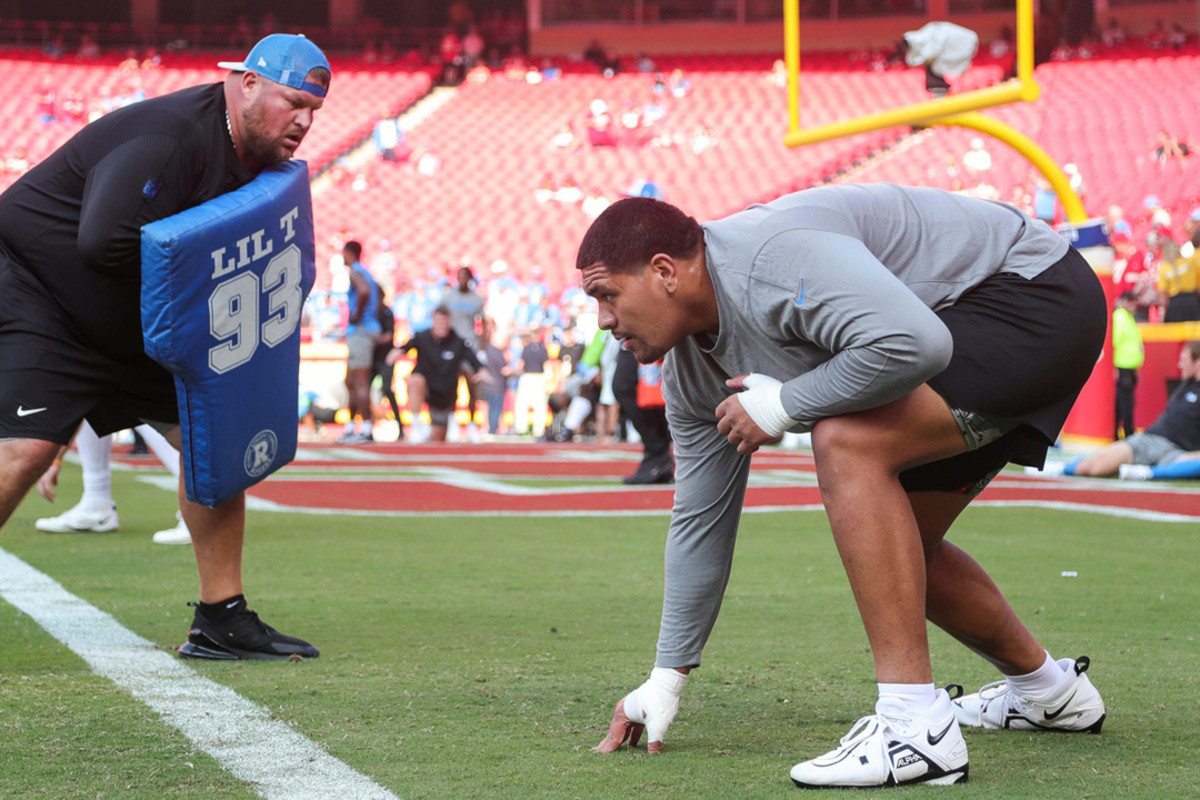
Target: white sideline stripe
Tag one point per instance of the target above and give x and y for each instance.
(277, 761)
(259, 504)
(478, 485)
(1076, 484)
(1112, 511)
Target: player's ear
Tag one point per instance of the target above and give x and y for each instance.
(666, 269)
(250, 84)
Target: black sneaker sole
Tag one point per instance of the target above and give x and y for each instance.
(213, 652)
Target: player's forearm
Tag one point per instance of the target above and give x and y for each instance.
(868, 377)
(699, 556)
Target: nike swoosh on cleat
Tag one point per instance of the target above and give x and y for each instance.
(933, 740)
(1057, 712)
(25, 412)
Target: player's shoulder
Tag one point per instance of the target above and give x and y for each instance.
(183, 115)
(813, 212)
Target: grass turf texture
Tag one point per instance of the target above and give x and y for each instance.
(481, 658)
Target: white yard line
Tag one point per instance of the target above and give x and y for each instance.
(259, 504)
(277, 761)
(1112, 511)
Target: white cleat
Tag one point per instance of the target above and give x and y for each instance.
(1135, 472)
(892, 748)
(177, 535)
(1074, 706)
(81, 520)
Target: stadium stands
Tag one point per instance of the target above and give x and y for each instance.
(361, 95)
(1102, 116)
(491, 143)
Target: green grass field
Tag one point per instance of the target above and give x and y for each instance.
(480, 658)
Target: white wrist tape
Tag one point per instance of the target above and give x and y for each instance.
(656, 701)
(762, 401)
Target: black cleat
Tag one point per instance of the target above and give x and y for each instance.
(659, 471)
(241, 636)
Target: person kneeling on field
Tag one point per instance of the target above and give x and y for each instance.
(1168, 449)
(441, 354)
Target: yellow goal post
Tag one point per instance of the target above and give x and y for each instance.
(960, 109)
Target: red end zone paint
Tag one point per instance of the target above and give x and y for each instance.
(484, 466)
(435, 496)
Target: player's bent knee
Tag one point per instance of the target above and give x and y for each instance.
(27, 458)
(838, 437)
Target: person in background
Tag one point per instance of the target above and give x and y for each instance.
(1128, 356)
(362, 334)
(389, 139)
(380, 366)
(649, 419)
(1168, 449)
(96, 511)
(434, 380)
(466, 318)
(1178, 281)
(531, 403)
(495, 380)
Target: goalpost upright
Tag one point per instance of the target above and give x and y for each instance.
(1092, 418)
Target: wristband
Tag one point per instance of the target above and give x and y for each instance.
(660, 694)
(763, 402)
(669, 680)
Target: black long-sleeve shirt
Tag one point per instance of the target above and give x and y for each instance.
(73, 223)
(440, 360)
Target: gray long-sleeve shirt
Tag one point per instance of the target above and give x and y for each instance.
(832, 291)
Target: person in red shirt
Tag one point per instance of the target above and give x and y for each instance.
(1132, 275)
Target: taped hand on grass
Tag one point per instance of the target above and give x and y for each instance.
(651, 708)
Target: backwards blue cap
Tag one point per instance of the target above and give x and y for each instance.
(284, 58)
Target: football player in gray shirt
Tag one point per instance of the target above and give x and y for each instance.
(925, 339)
(466, 310)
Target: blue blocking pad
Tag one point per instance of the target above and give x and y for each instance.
(223, 285)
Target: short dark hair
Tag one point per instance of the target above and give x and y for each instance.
(319, 76)
(1193, 348)
(631, 231)
(354, 247)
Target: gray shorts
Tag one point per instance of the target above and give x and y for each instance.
(361, 347)
(1154, 450)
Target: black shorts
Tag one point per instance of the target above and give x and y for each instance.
(1023, 349)
(50, 380)
(441, 391)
